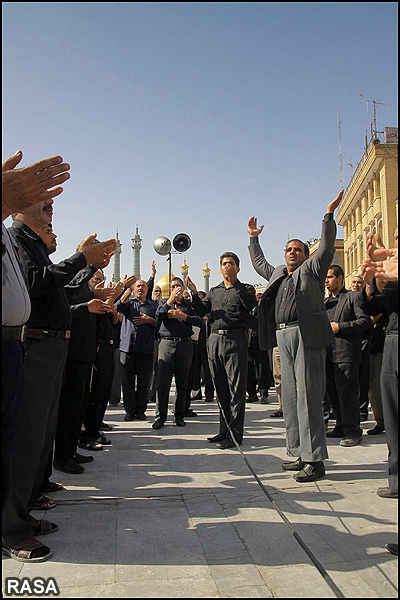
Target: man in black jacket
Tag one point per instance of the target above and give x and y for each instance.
(348, 322)
(46, 351)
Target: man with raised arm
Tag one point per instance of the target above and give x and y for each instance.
(292, 315)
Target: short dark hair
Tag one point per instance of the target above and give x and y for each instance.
(306, 248)
(229, 255)
(337, 270)
(177, 279)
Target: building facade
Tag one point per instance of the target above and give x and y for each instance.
(370, 203)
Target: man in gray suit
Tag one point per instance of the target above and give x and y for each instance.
(348, 322)
(292, 315)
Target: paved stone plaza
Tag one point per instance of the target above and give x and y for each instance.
(165, 514)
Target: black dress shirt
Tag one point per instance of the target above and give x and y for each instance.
(229, 308)
(49, 302)
(177, 327)
(285, 303)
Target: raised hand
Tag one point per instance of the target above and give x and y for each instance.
(335, 203)
(252, 228)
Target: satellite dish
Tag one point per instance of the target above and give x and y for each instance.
(162, 245)
(181, 242)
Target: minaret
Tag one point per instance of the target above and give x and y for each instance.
(116, 276)
(136, 246)
(184, 271)
(206, 275)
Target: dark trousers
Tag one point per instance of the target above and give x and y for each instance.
(390, 404)
(364, 370)
(115, 393)
(174, 359)
(201, 362)
(73, 399)
(136, 369)
(44, 369)
(13, 356)
(153, 380)
(228, 364)
(342, 393)
(102, 378)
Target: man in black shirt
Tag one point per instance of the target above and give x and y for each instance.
(229, 306)
(175, 351)
(46, 351)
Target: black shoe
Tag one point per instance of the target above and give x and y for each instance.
(310, 472)
(69, 467)
(278, 414)
(141, 417)
(197, 396)
(103, 440)
(209, 399)
(80, 458)
(105, 427)
(180, 422)
(364, 417)
(129, 417)
(264, 400)
(334, 433)
(226, 444)
(93, 445)
(217, 438)
(158, 423)
(190, 413)
(387, 492)
(296, 465)
(251, 399)
(393, 548)
(376, 430)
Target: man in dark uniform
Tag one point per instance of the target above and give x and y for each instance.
(175, 351)
(229, 305)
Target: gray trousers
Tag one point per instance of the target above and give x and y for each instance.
(227, 355)
(390, 403)
(303, 390)
(44, 370)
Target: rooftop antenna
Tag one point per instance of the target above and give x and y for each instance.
(340, 152)
(351, 166)
(375, 102)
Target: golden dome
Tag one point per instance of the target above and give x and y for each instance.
(163, 283)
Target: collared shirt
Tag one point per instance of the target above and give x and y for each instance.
(177, 327)
(285, 303)
(50, 306)
(229, 308)
(332, 302)
(137, 338)
(16, 305)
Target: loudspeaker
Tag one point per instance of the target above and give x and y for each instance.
(162, 245)
(181, 242)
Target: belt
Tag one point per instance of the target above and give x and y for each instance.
(175, 339)
(390, 332)
(14, 333)
(105, 341)
(286, 325)
(227, 331)
(39, 334)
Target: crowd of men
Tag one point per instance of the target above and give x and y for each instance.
(70, 343)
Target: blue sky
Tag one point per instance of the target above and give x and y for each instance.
(192, 117)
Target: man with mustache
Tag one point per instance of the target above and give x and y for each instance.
(46, 349)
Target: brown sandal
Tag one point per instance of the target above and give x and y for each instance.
(43, 527)
(28, 551)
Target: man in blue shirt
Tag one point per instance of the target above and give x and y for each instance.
(175, 351)
(136, 348)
